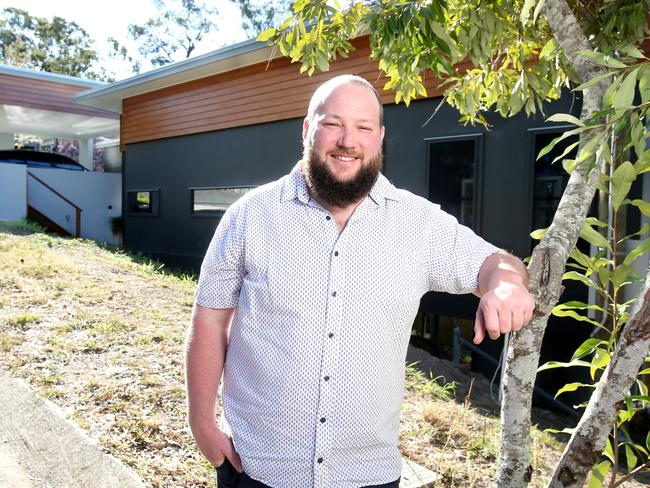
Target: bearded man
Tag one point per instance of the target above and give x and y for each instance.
(305, 303)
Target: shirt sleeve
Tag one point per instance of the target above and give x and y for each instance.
(223, 269)
(455, 255)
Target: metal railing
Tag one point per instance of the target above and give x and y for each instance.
(66, 200)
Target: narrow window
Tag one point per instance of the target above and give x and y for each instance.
(142, 202)
(453, 173)
(215, 201)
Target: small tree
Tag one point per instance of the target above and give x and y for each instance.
(173, 35)
(55, 46)
(524, 53)
(260, 15)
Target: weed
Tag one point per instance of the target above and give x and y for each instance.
(22, 227)
(431, 387)
(21, 321)
(9, 341)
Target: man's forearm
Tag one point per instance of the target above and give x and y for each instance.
(500, 267)
(206, 342)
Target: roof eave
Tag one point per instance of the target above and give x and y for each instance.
(220, 61)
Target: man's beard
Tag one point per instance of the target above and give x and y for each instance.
(329, 189)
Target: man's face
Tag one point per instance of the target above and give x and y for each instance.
(342, 142)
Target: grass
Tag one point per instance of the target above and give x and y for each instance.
(100, 332)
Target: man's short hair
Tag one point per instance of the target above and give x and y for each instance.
(324, 90)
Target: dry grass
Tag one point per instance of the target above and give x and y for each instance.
(101, 334)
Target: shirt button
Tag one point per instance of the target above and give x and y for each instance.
(326, 378)
(327, 217)
(330, 335)
(322, 420)
(319, 460)
(333, 293)
(336, 253)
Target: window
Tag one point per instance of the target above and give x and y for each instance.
(453, 175)
(142, 202)
(215, 201)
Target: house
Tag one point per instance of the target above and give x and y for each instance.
(198, 133)
(73, 202)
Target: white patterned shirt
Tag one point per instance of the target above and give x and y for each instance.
(314, 373)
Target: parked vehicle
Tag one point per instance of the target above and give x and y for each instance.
(38, 159)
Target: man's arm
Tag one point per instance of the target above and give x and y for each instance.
(506, 305)
(205, 354)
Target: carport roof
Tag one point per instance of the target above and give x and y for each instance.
(35, 102)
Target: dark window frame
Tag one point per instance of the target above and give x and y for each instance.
(479, 160)
(212, 213)
(154, 202)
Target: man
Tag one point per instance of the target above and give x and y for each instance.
(305, 302)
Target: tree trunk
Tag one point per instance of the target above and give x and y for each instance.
(588, 441)
(547, 267)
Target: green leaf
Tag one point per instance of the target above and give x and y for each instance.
(593, 237)
(582, 258)
(625, 94)
(630, 457)
(602, 59)
(645, 371)
(593, 81)
(644, 83)
(577, 305)
(599, 361)
(538, 234)
(566, 430)
(647, 440)
(559, 311)
(598, 474)
(620, 275)
(574, 275)
(266, 35)
(621, 182)
(548, 48)
(609, 452)
(642, 248)
(572, 387)
(525, 11)
(633, 51)
(567, 150)
(566, 118)
(588, 347)
(643, 206)
(557, 364)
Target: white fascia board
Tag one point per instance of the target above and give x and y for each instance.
(54, 77)
(229, 58)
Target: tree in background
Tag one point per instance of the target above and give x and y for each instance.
(55, 46)
(525, 53)
(260, 15)
(173, 35)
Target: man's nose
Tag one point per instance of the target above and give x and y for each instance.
(347, 137)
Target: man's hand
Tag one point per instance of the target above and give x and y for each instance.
(506, 305)
(216, 445)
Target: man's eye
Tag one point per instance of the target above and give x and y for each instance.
(365, 129)
(330, 124)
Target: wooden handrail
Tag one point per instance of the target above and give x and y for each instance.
(78, 210)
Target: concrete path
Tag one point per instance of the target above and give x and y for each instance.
(41, 449)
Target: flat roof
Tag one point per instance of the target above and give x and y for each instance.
(222, 60)
(55, 77)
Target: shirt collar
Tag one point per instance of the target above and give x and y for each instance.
(295, 187)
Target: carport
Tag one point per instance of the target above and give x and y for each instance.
(39, 103)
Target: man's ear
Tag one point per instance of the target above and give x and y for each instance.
(382, 132)
(305, 128)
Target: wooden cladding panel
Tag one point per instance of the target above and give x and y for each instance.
(250, 95)
(45, 95)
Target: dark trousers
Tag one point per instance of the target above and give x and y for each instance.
(228, 477)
